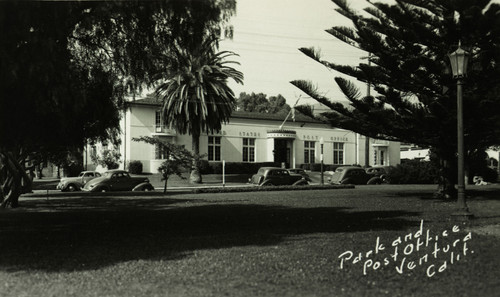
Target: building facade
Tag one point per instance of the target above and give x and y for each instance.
(253, 137)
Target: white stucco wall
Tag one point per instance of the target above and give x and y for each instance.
(139, 120)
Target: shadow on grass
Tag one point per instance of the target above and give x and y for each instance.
(79, 237)
(489, 192)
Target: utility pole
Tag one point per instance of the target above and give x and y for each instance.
(367, 139)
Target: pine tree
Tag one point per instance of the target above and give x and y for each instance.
(408, 43)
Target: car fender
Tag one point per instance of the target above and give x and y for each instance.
(101, 188)
(143, 186)
(300, 182)
(346, 181)
(374, 181)
(76, 186)
(267, 182)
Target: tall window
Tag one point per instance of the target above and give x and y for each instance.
(158, 121)
(248, 149)
(213, 148)
(309, 151)
(160, 152)
(338, 153)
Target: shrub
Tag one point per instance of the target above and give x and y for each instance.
(235, 167)
(317, 167)
(73, 169)
(135, 167)
(305, 166)
(413, 172)
(108, 158)
(205, 167)
(489, 175)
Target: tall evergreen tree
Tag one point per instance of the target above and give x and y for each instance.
(408, 43)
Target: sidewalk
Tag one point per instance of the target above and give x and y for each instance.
(177, 183)
(174, 182)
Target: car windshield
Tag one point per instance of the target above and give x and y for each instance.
(81, 174)
(108, 174)
(261, 171)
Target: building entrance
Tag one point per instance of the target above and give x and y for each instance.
(282, 152)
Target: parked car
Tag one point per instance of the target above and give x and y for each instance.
(118, 180)
(380, 171)
(301, 172)
(71, 184)
(354, 175)
(275, 176)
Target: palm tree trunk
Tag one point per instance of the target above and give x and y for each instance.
(195, 176)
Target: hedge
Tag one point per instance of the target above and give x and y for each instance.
(135, 167)
(413, 172)
(317, 166)
(207, 167)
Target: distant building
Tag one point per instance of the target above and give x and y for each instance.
(412, 152)
(252, 137)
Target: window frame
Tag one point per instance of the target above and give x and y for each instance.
(309, 152)
(338, 153)
(248, 151)
(214, 148)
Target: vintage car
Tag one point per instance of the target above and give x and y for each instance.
(275, 176)
(118, 180)
(71, 184)
(301, 172)
(354, 175)
(379, 170)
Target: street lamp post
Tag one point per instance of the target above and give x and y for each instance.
(322, 142)
(458, 60)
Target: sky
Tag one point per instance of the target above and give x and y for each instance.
(267, 36)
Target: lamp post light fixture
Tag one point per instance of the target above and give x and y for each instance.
(458, 60)
(322, 142)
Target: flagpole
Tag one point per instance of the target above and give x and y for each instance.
(288, 115)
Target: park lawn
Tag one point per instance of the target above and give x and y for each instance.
(248, 244)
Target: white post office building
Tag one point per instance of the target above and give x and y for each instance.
(253, 137)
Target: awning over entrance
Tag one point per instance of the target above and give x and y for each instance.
(281, 134)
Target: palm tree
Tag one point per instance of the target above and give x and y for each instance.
(195, 94)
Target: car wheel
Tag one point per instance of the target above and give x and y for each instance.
(374, 181)
(345, 181)
(71, 188)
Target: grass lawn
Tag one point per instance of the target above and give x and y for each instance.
(252, 244)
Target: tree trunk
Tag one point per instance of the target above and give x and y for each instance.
(446, 185)
(13, 180)
(165, 185)
(195, 176)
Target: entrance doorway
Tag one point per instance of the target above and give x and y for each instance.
(282, 152)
